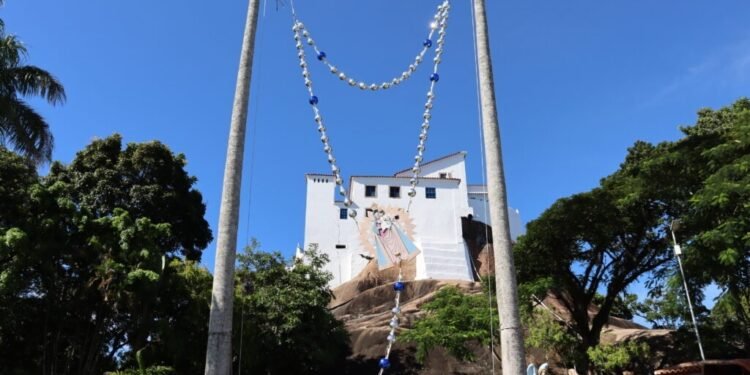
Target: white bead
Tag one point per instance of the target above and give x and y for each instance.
(427, 115)
(385, 85)
(413, 182)
(305, 33)
(428, 105)
(308, 82)
(415, 169)
(362, 85)
(318, 119)
(412, 193)
(342, 76)
(302, 64)
(418, 59)
(352, 82)
(334, 168)
(347, 202)
(396, 81)
(437, 60)
(412, 67)
(327, 148)
(374, 87)
(324, 138)
(418, 158)
(342, 191)
(331, 159)
(310, 41)
(321, 128)
(430, 94)
(352, 214)
(299, 45)
(334, 70)
(391, 338)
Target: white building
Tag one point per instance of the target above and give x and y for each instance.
(432, 222)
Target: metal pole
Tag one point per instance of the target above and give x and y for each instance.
(678, 253)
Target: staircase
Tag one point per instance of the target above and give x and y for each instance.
(445, 261)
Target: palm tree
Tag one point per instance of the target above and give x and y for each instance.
(219, 350)
(21, 126)
(511, 334)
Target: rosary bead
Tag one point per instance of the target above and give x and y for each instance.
(427, 43)
(352, 214)
(313, 100)
(412, 193)
(384, 363)
(434, 77)
(321, 55)
(342, 76)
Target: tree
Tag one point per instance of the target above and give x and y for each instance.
(282, 308)
(92, 273)
(511, 334)
(20, 125)
(219, 349)
(453, 320)
(720, 214)
(595, 242)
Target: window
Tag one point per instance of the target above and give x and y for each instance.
(370, 190)
(340, 246)
(443, 175)
(430, 193)
(343, 213)
(394, 192)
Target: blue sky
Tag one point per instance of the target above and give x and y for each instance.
(577, 83)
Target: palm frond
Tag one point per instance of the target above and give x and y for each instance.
(30, 80)
(12, 50)
(25, 130)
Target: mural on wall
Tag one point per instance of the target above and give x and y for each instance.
(388, 234)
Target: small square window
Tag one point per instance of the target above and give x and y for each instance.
(370, 191)
(394, 192)
(430, 193)
(343, 213)
(443, 175)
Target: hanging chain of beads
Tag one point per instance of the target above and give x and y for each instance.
(438, 19)
(398, 286)
(440, 23)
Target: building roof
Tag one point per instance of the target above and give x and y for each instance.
(433, 161)
(409, 177)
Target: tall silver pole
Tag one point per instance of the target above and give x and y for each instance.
(678, 254)
(511, 333)
(219, 349)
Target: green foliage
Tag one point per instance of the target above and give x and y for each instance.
(602, 240)
(453, 320)
(281, 312)
(21, 127)
(613, 359)
(91, 273)
(546, 332)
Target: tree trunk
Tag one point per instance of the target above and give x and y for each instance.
(511, 334)
(219, 349)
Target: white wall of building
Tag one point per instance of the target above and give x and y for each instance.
(437, 222)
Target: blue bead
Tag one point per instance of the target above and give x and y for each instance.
(313, 100)
(384, 363)
(434, 77)
(398, 286)
(427, 43)
(321, 55)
